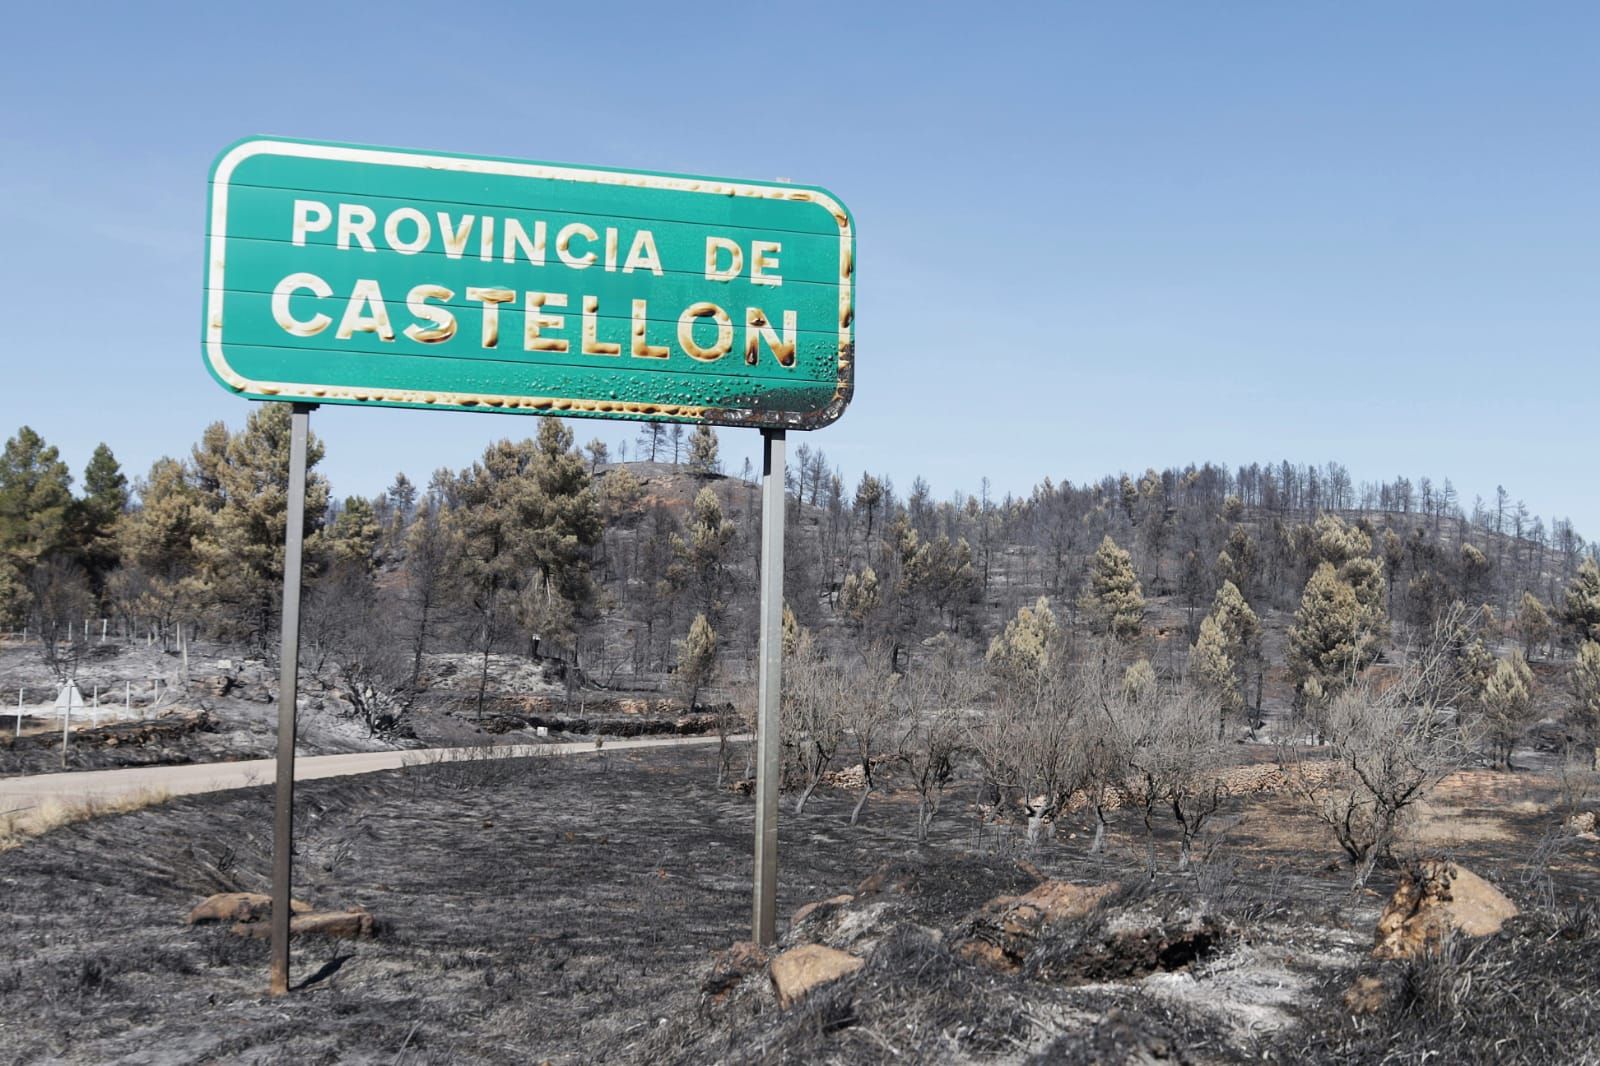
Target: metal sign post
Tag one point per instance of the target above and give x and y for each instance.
(288, 689)
(769, 689)
(380, 277)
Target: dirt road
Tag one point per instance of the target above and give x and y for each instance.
(20, 794)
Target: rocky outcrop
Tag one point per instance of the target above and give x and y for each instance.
(798, 971)
(1434, 900)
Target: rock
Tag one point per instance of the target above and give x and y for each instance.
(346, 925)
(1047, 929)
(987, 955)
(853, 778)
(1366, 995)
(891, 877)
(730, 967)
(1433, 900)
(240, 907)
(1582, 822)
(1053, 901)
(811, 908)
(1009, 924)
(799, 970)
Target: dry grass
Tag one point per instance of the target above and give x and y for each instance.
(20, 826)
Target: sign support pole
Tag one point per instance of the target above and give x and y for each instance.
(769, 688)
(288, 690)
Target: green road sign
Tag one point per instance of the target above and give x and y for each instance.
(344, 274)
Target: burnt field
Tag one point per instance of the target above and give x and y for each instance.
(573, 910)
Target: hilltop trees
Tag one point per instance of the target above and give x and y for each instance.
(1113, 602)
(700, 565)
(1585, 682)
(932, 582)
(1582, 607)
(1225, 651)
(1328, 643)
(860, 596)
(1341, 623)
(1023, 655)
(1533, 623)
(703, 451)
(535, 543)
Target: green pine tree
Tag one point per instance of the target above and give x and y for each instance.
(1330, 640)
(1021, 656)
(697, 659)
(35, 501)
(246, 480)
(1584, 680)
(703, 451)
(355, 536)
(1582, 608)
(1113, 602)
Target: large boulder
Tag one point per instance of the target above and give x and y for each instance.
(240, 907)
(799, 970)
(1433, 901)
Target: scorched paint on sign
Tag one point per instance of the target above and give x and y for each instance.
(385, 277)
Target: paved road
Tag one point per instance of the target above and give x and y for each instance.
(23, 793)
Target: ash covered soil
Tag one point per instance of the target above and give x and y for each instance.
(159, 708)
(579, 910)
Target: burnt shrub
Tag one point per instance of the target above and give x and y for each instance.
(1524, 996)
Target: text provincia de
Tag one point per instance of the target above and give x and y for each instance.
(297, 298)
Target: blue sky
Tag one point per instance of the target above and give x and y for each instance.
(1093, 237)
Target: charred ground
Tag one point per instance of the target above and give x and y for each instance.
(571, 909)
